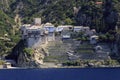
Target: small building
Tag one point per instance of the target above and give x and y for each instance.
(12, 62)
(37, 21)
(67, 36)
(7, 65)
(59, 29)
(90, 32)
(93, 39)
(64, 31)
(81, 28)
(32, 33)
(34, 36)
(50, 31)
(64, 28)
(97, 48)
(86, 29)
(78, 28)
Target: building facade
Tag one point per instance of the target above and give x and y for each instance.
(37, 34)
(50, 31)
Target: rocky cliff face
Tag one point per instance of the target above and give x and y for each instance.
(25, 59)
(34, 61)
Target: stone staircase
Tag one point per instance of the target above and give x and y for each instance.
(58, 48)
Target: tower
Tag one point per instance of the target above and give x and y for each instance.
(37, 21)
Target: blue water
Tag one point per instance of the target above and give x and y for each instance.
(61, 74)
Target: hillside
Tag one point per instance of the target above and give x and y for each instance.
(103, 17)
(75, 12)
(8, 34)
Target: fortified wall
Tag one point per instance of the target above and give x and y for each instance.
(37, 34)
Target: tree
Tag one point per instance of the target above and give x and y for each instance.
(68, 21)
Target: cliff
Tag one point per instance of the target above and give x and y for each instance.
(30, 61)
(26, 57)
(103, 17)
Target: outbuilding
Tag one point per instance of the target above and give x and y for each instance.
(93, 39)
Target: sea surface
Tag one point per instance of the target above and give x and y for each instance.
(61, 74)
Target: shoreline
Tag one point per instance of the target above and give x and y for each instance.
(66, 67)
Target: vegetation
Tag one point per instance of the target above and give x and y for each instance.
(92, 63)
(1, 62)
(28, 51)
(79, 36)
(108, 37)
(87, 13)
(8, 36)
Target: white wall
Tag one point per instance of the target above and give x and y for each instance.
(37, 21)
(51, 37)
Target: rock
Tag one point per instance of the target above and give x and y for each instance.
(33, 61)
(90, 64)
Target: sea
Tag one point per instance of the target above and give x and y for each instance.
(61, 74)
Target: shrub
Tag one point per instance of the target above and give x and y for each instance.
(1, 62)
(29, 51)
(103, 38)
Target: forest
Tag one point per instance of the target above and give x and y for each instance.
(102, 15)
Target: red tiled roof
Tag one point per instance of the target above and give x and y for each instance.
(99, 2)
